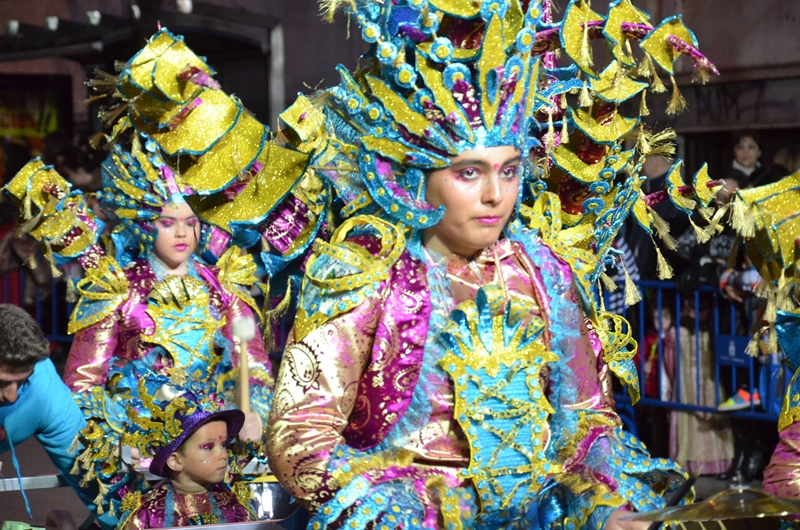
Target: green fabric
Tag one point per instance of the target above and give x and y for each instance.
(16, 525)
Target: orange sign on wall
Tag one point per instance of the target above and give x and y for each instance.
(25, 114)
(31, 107)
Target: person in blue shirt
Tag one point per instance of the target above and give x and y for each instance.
(35, 402)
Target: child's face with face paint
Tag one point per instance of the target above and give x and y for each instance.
(479, 191)
(178, 233)
(203, 457)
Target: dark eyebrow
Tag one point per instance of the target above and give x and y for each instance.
(512, 160)
(482, 163)
(470, 162)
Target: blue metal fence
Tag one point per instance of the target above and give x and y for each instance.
(711, 315)
(717, 333)
(49, 306)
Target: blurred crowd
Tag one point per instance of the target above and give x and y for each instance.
(679, 360)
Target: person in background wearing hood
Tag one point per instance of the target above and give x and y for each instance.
(34, 401)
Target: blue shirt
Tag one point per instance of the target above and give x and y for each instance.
(45, 409)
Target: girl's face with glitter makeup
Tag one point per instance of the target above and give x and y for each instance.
(479, 191)
(178, 233)
(203, 458)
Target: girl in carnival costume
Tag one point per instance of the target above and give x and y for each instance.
(191, 178)
(449, 365)
(187, 433)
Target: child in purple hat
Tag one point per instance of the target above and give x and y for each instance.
(187, 435)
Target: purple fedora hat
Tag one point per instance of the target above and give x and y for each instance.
(189, 425)
(167, 410)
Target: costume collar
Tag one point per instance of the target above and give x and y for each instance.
(502, 249)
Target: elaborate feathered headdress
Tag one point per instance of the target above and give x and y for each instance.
(443, 76)
(175, 135)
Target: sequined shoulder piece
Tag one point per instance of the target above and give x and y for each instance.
(237, 271)
(347, 271)
(102, 290)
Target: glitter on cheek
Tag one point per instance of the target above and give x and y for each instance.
(472, 189)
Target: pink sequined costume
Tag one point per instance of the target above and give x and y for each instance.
(138, 330)
(162, 507)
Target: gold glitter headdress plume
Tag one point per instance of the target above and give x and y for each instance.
(599, 182)
(55, 216)
(767, 219)
(444, 76)
(226, 164)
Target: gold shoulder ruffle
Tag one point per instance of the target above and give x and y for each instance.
(569, 244)
(237, 270)
(342, 274)
(101, 292)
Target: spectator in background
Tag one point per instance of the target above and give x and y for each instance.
(76, 162)
(782, 165)
(615, 300)
(701, 442)
(745, 168)
(79, 163)
(661, 330)
(653, 422)
(736, 285)
(751, 455)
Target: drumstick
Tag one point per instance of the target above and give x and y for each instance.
(244, 328)
(677, 497)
